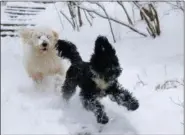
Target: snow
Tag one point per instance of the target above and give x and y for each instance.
(28, 110)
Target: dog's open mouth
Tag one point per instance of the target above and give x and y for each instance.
(44, 49)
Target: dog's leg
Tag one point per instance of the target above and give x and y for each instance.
(68, 88)
(59, 78)
(59, 70)
(70, 84)
(96, 107)
(37, 77)
(122, 97)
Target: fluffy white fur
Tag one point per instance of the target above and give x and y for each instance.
(39, 60)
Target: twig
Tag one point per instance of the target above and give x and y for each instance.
(133, 13)
(112, 19)
(179, 104)
(71, 11)
(76, 22)
(87, 17)
(177, 6)
(168, 84)
(67, 19)
(180, 83)
(102, 7)
(91, 15)
(123, 7)
(79, 17)
(58, 15)
(140, 81)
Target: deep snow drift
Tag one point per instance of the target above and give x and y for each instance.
(27, 110)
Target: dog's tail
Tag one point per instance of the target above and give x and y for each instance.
(102, 45)
(68, 50)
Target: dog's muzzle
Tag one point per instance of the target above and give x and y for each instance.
(44, 46)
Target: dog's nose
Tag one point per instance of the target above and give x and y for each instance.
(44, 44)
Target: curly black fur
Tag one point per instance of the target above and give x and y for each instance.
(103, 67)
(68, 50)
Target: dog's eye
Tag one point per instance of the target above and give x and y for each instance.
(38, 37)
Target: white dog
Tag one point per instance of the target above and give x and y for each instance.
(40, 56)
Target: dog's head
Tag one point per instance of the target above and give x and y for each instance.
(104, 61)
(40, 38)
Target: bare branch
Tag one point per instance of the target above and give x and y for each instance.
(114, 20)
(180, 83)
(165, 70)
(123, 7)
(178, 5)
(59, 16)
(140, 81)
(180, 103)
(133, 13)
(87, 17)
(70, 5)
(168, 84)
(67, 19)
(91, 15)
(76, 23)
(80, 17)
(156, 21)
(102, 7)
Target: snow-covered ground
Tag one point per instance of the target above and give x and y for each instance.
(26, 110)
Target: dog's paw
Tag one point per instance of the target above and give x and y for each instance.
(37, 77)
(133, 106)
(66, 97)
(102, 119)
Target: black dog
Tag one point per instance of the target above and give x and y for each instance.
(97, 78)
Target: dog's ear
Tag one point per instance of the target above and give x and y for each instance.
(102, 45)
(25, 33)
(55, 34)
